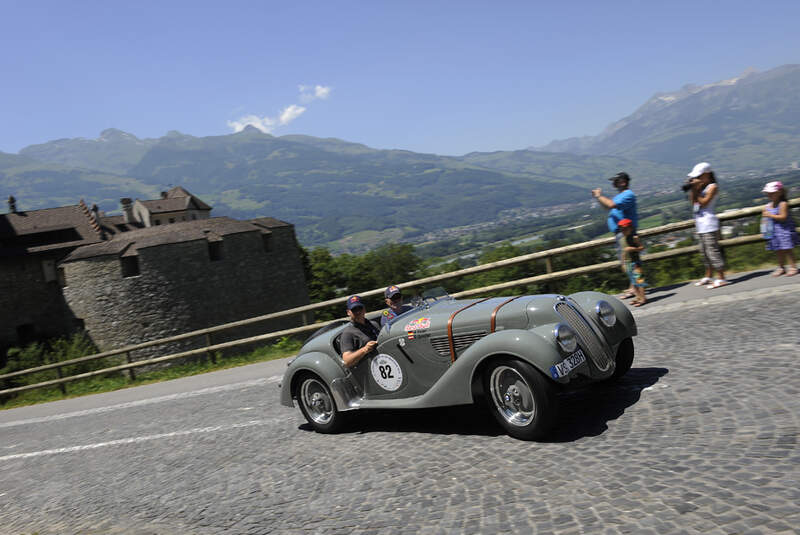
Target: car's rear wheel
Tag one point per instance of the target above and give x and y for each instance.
(522, 400)
(317, 405)
(624, 359)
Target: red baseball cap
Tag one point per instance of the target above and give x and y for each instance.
(625, 222)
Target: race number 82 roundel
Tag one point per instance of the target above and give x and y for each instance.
(386, 372)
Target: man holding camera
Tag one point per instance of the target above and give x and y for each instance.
(703, 192)
(621, 206)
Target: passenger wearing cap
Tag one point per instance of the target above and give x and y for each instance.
(394, 300)
(621, 206)
(782, 236)
(633, 261)
(703, 196)
(358, 339)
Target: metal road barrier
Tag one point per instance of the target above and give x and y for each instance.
(549, 275)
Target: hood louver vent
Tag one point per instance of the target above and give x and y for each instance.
(460, 341)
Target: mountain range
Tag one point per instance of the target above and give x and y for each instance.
(750, 122)
(332, 189)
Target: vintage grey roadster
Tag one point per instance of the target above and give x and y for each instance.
(516, 352)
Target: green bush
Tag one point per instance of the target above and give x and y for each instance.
(50, 352)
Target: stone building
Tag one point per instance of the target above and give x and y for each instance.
(127, 279)
(32, 243)
(174, 206)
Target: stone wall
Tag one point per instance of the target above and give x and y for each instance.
(28, 299)
(179, 289)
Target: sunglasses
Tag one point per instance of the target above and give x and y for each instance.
(396, 297)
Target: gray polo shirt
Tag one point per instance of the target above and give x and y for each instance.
(355, 335)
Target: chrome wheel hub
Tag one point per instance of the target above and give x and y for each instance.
(512, 396)
(318, 404)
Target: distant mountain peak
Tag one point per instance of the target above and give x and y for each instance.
(251, 130)
(113, 134)
(748, 121)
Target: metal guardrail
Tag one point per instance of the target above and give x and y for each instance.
(550, 275)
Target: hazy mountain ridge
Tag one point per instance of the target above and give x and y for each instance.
(748, 122)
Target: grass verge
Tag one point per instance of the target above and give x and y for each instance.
(120, 380)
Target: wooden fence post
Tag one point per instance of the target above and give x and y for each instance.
(131, 373)
(61, 386)
(210, 354)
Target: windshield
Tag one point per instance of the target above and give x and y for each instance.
(425, 300)
(430, 296)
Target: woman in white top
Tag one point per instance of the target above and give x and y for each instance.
(703, 196)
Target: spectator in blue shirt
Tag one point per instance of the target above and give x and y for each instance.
(621, 206)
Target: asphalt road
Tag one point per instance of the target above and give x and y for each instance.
(700, 437)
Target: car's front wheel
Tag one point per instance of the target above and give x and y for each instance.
(317, 405)
(522, 400)
(624, 359)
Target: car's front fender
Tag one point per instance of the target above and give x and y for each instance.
(455, 386)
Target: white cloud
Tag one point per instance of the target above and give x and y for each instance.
(287, 115)
(290, 113)
(309, 93)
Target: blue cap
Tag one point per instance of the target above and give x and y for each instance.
(391, 290)
(354, 302)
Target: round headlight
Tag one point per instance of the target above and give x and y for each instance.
(606, 313)
(566, 338)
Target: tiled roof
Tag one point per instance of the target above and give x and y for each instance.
(159, 206)
(129, 242)
(115, 224)
(269, 222)
(49, 229)
(178, 191)
(177, 199)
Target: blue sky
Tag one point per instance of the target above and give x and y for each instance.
(440, 77)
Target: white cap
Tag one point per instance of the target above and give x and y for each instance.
(772, 187)
(699, 169)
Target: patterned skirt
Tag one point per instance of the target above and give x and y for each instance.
(784, 236)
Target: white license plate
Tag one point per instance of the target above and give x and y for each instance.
(563, 368)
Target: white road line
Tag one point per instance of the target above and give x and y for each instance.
(135, 440)
(141, 402)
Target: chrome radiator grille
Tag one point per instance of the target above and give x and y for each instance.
(461, 341)
(588, 339)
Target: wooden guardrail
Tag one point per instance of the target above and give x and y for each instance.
(550, 275)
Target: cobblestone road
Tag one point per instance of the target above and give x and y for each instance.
(700, 437)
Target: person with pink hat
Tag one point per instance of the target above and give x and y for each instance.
(782, 237)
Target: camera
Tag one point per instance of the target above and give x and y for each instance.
(686, 186)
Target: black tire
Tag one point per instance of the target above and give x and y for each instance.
(624, 358)
(317, 404)
(522, 400)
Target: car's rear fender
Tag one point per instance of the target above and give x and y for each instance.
(321, 365)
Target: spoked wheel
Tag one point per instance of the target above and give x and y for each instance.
(317, 405)
(520, 397)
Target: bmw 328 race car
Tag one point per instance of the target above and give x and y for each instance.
(516, 352)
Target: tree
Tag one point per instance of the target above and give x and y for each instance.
(325, 275)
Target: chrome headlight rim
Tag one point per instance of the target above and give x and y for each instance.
(566, 338)
(606, 313)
